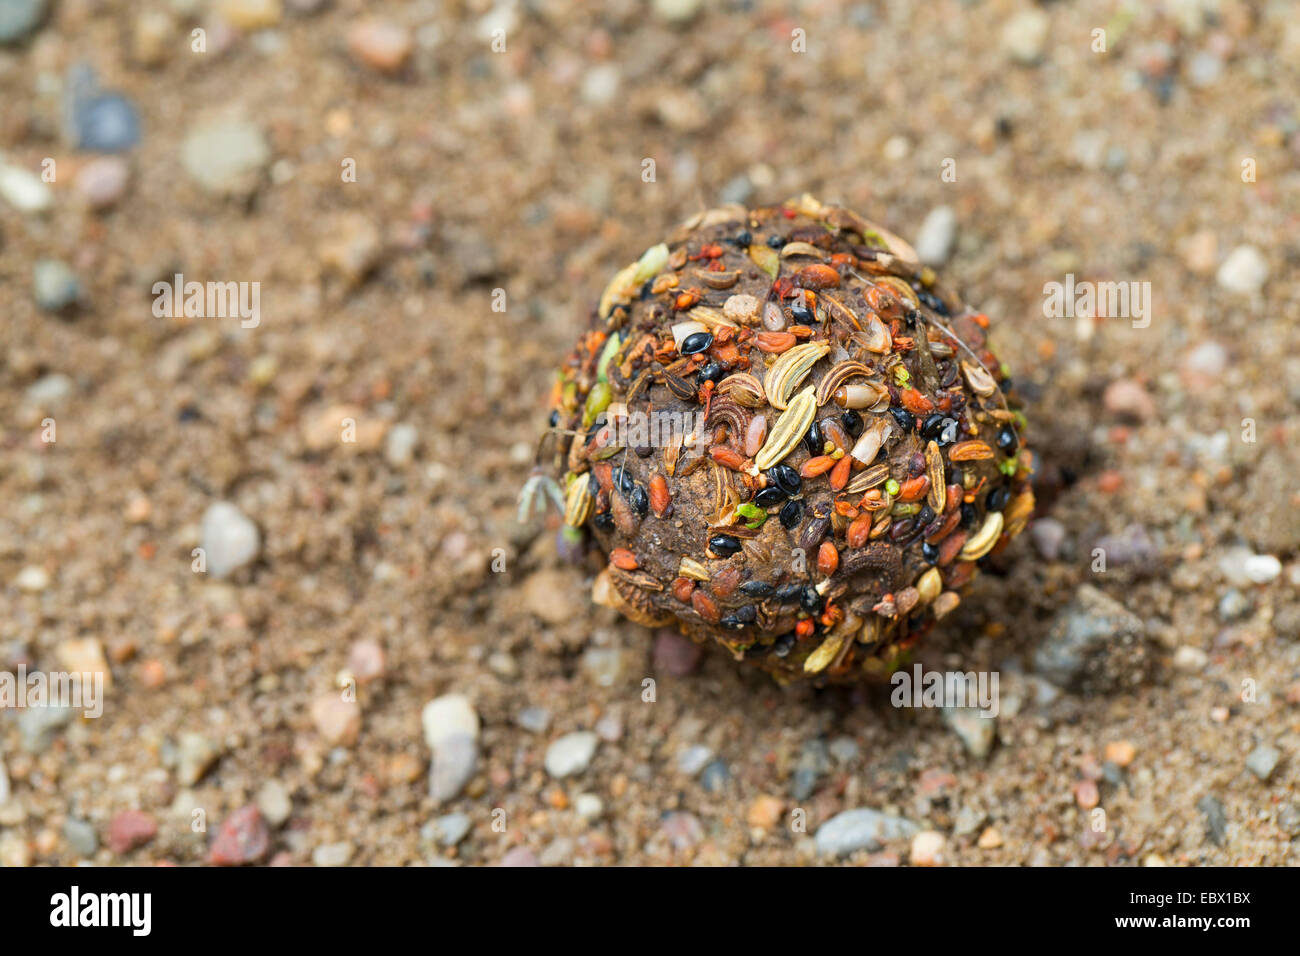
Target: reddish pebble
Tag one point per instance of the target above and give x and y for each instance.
(130, 829)
(675, 653)
(243, 838)
(1110, 482)
(380, 45)
(1086, 795)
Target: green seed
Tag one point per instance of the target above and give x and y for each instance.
(892, 488)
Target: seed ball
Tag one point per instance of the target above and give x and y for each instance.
(892, 440)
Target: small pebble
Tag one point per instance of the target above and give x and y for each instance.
(1244, 271)
(519, 856)
(938, 232)
(451, 829)
(333, 854)
(714, 777)
(337, 721)
(81, 836)
(1216, 819)
(1288, 818)
(928, 848)
(534, 719)
(451, 729)
(588, 806)
(249, 15)
(400, 445)
(693, 759)
(366, 660)
(1086, 794)
(1130, 399)
(570, 754)
(765, 812)
(1048, 536)
(228, 538)
(196, 755)
(677, 11)
(682, 830)
(83, 655)
(130, 829)
(862, 828)
(24, 190)
(1262, 761)
(32, 579)
(1024, 35)
(674, 653)
(106, 123)
(1190, 659)
(990, 839)
(1234, 605)
(274, 802)
(1120, 752)
(226, 156)
(54, 285)
(102, 182)
(380, 44)
(19, 19)
(976, 732)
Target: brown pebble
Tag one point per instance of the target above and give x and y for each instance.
(1086, 794)
(380, 44)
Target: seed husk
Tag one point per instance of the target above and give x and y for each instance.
(929, 585)
(970, 451)
(836, 377)
(690, 568)
(801, 249)
(578, 501)
(710, 317)
(876, 337)
(873, 437)
(790, 369)
(979, 379)
(683, 389)
(981, 543)
(766, 258)
(788, 430)
(718, 280)
(938, 496)
(744, 388)
(868, 479)
(821, 658)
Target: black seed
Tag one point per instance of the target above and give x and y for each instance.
(696, 342)
(911, 316)
(748, 613)
(813, 441)
(770, 497)
(188, 413)
(786, 478)
(956, 476)
(604, 521)
(724, 545)
(906, 421)
(930, 552)
(810, 600)
(759, 589)
(643, 451)
(645, 288)
(789, 593)
(745, 238)
(968, 515)
(933, 301)
(639, 500)
(623, 481)
(932, 425)
(852, 422)
(925, 515)
(555, 417)
(997, 498)
(782, 645)
(1005, 385)
(732, 623)
(776, 242)
(792, 514)
(1007, 440)
(712, 372)
(800, 312)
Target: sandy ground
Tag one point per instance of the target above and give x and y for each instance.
(522, 170)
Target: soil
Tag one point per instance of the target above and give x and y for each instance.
(524, 171)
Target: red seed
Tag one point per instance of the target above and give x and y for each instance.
(775, 342)
(682, 588)
(727, 457)
(914, 489)
(817, 466)
(828, 559)
(840, 473)
(805, 628)
(858, 532)
(623, 558)
(755, 435)
(661, 500)
(916, 403)
(704, 606)
(817, 276)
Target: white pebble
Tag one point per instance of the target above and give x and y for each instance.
(32, 578)
(229, 539)
(1261, 568)
(570, 754)
(934, 241)
(24, 190)
(399, 446)
(448, 716)
(1244, 271)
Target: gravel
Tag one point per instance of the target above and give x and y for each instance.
(451, 729)
(935, 239)
(1244, 271)
(1262, 761)
(55, 287)
(226, 156)
(570, 754)
(1095, 643)
(229, 539)
(861, 829)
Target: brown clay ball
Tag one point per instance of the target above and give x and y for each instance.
(788, 437)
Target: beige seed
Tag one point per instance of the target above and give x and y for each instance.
(981, 543)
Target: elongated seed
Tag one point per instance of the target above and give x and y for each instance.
(981, 382)
(790, 369)
(868, 479)
(578, 501)
(938, 496)
(755, 435)
(981, 543)
(929, 585)
(821, 658)
(690, 568)
(788, 430)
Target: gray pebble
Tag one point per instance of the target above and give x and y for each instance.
(1234, 605)
(844, 749)
(451, 829)
(196, 753)
(861, 829)
(938, 232)
(454, 762)
(1262, 761)
(19, 19)
(81, 836)
(1288, 818)
(975, 731)
(1095, 644)
(693, 759)
(54, 285)
(534, 719)
(226, 156)
(38, 726)
(1048, 536)
(715, 776)
(813, 762)
(1216, 819)
(107, 123)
